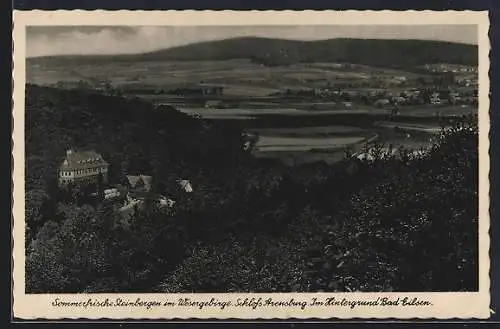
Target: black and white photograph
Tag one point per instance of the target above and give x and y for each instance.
(224, 159)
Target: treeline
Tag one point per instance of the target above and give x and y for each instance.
(272, 52)
(130, 134)
(391, 224)
(388, 225)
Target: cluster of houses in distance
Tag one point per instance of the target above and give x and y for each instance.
(82, 168)
(435, 84)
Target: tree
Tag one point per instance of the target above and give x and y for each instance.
(36, 211)
(251, 224)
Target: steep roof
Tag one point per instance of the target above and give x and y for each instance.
(82, 160)
(147, 181)
(133, 180)
(185, 185)
(137, 181)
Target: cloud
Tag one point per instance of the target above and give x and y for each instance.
(97, 41)
(65, 40)
(115, 41)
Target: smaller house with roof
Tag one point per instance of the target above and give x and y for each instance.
(83, 167)
(140, 195)
(140, 187)
(139, 190)
(185, 185)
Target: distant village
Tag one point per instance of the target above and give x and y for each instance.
(85, 168)
(436, 84)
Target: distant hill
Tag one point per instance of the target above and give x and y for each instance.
(267, 51)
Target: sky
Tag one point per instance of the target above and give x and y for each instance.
(84, 40)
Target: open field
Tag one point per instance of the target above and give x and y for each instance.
(424, 111)
(238, 76)
(260, 112)
(304, 138)
(331, 150)
(304, 130)
(297, 136)
(444, 110)
(276, 143)
(319, 131)
(410, 127)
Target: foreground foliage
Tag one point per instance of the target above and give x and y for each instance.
(393, 224)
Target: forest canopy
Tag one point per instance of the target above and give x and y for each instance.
(393, 224)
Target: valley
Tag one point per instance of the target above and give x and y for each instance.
(266, 98)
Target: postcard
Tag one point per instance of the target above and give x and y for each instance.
(251, 165)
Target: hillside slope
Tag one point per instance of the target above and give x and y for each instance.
(387, 225)
(130, 134)
(278, 52)
(390, 226)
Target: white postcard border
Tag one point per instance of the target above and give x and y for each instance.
(444, 305)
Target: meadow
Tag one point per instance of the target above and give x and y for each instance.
(297, 137)
(239, 77)
(276, 143)
(305, 128)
